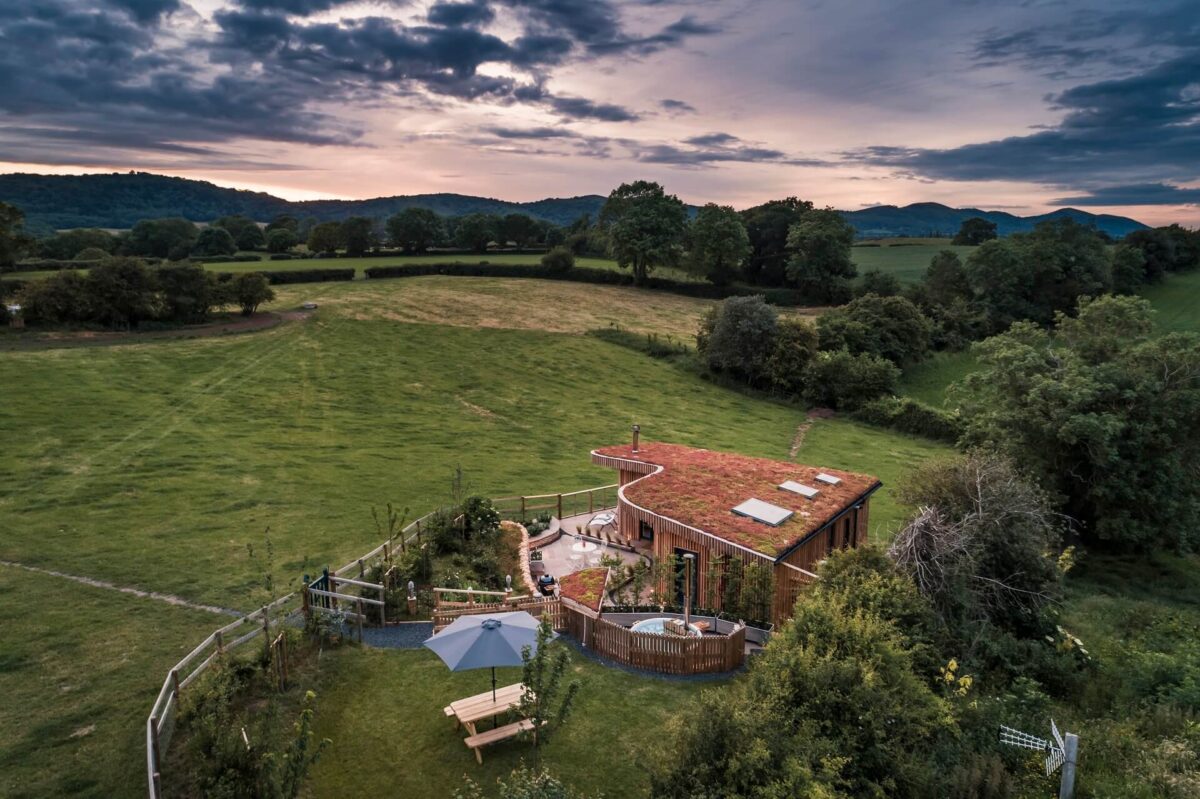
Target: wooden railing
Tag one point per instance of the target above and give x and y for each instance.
(669, 654)
(561, 506)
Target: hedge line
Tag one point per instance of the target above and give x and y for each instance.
(57, 264)
(227, 259)
(707, 291)
(907, 415)
(280, 277)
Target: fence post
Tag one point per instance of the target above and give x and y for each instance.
(304, 598)
(591, 501)
(155, 752)
(360, 619)
(560, 507)
(267, 632)
(522, 510)
(1066, 788)
(383, 607)
(220, 643)
(175, 682)
(362, 571)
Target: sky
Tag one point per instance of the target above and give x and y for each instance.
(1023, 106)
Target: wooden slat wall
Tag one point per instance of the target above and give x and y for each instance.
(667, 654)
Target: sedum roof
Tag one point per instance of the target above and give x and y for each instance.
(700, 488)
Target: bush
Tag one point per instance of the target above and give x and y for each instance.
(846, 382)
(907, 415)
(91, 254)
(60, 299)
(281, 256)
(188, 292)
(54, 264)
(122, 293)
(889, 327)
(307, 275)
(249, 290)
(742, 337)
(795, 347)
(559, 260)
(883, 284)
(232, 259)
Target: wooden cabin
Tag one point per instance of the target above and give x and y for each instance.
(738, 516)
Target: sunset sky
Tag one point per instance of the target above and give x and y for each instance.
(1017, 106)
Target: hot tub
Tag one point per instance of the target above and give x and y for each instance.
(656, 626)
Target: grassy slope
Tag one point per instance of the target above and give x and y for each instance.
(78, 671)
(902, 258)
(408, 748)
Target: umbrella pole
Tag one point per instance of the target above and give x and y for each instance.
(493, 694)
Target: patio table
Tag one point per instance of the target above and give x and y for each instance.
(481, 706)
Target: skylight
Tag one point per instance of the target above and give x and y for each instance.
(829, 479)
(800, 488)
(763, 512)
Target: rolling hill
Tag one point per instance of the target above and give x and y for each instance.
(119, 200)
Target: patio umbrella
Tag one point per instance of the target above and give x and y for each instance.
(485, 640)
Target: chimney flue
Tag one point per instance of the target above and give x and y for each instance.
(636, 429)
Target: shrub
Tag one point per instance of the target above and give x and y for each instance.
(559, 260)
(307, 275)
(883, 284)
(281, 256)
(249, 290)
(91, 254)
(742, 337)
(889, 327)
(846, 382)
(188, 292)
(795, 346)
(232, 259)
(60, 299)
(121, 293)
(53, 264)
(907, 415)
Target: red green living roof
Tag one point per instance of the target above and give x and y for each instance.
(700, 488)
(585, 586)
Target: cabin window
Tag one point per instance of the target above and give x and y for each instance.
(645, 531)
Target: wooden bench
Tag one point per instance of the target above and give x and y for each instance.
(480, 740)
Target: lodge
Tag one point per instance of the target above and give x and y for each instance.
(732, 512)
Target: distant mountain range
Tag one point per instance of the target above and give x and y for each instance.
(934, 219)
(119, 200)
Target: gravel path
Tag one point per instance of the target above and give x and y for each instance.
(408, 635)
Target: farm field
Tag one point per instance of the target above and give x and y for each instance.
(907, 259)
(175, 455)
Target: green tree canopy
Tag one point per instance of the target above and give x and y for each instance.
(1036, 275)
(739, 336)
(358, 235)
(889, 327)
(974, 231)
(717, 244)
(245, 231)
(162, 238)
(284, 222)
(520, 229)
(325, 237)
(66, 245)
(14, 242)
(767, 227)
(820, 264)
(946, 279)
(214, 241)
(644, 226)
(122, 293)
(476, 231)
(414, 229)
(281, 239)
(832, 709)
(1103, 413)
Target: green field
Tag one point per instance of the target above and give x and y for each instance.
(907, 259)
(153, 465)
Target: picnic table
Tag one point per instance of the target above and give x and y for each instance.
(481, 706)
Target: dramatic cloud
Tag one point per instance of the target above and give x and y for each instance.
(1145, 125)
(677, 106)
(1135, 194)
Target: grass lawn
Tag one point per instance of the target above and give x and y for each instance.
(78, 671)
(927, 381)
(383, 711)
(907, 259)
(1177, 300)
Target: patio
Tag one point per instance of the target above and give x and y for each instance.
(568, 552)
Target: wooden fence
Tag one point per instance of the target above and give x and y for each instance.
(562, 506)
(161, 722)
(667, 654)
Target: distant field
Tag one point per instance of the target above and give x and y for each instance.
(907, 259)
(1177, 301)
